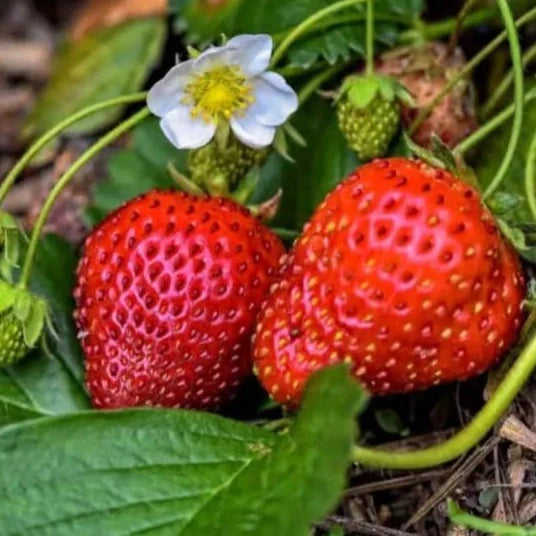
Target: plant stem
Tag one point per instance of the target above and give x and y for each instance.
(316, 82)
(370, 37)
(495, 97)
(492, 124)
(57, 129)
(435, 30)
(530, 176)
(467, 437)
(453, 42)
(65, 179)
(515, 52)
(308, 23)
(488, 49)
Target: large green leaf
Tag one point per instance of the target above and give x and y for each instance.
(165, 472)
(136, 169)
(317, 169)
(107, 63)
(335, 39)
(48, 384)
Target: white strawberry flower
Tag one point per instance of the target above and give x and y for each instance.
(228, 83)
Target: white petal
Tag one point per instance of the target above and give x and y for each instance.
(252, 53)
(214, 56)
(251, 132)
(167, 92)
(185, 131)
(275, 100)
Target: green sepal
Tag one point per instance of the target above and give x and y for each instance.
(23, 305)
(362, 90)
(33, 326)
(294, 135)
(193, 53)
(502, 203)
(522, 237)
(280, 145)
(8, 295)
(183, 182)
(6, 272)
(247, 186)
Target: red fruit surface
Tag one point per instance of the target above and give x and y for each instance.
(168, 289)
(424, 71)
(401, 273)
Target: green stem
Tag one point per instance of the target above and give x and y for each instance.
(502, 88)
(436, 30)
(483, 54)
(492, 124)
(530, 176)
(515, 52)
(468, 5)
(54, 131)
(466, 438)
(370, 37)
(308, 23)
(317, 81)
(65, 179)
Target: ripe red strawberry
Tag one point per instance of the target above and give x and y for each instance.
(401, 273)
(168, 289)
(424, 71)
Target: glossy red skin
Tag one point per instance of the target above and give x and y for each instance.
(402, 273)
(168, 289)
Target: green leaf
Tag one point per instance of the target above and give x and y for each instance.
(520, 240)
(48, 383)
(340, 37)
(178, 473)
(107, 63)
(390, 421)
(318, 167)
(135, 170)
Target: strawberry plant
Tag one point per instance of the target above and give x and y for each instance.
(319, 226)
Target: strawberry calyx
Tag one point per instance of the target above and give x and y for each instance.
(25, 313)
(361, 90)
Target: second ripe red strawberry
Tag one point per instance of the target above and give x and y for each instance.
(402, 274)
(168, 289)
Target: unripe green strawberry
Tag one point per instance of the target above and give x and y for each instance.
(368, 112)
(12, 344)
(369, 130)
(227, 165)
(22, 320)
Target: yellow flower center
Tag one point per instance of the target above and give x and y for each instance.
(220, 92)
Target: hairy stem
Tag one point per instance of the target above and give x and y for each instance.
(467, 437)
(491, 125)
(308, 23)
(48, 136)
(515, 52)
(64, 181)
(370, 37)
(476, 60)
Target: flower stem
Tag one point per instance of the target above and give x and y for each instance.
(502, 88)
(515, 52)
(492, 124)
(65, 179)
(467, 6)
(530, 177)
(370, 37)
(476, 60)
(316, 82)
(57, 129)
(467, 437)
(308, 23)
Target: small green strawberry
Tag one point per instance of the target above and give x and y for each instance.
(368, 112)
(22, 319)
(218, 166)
